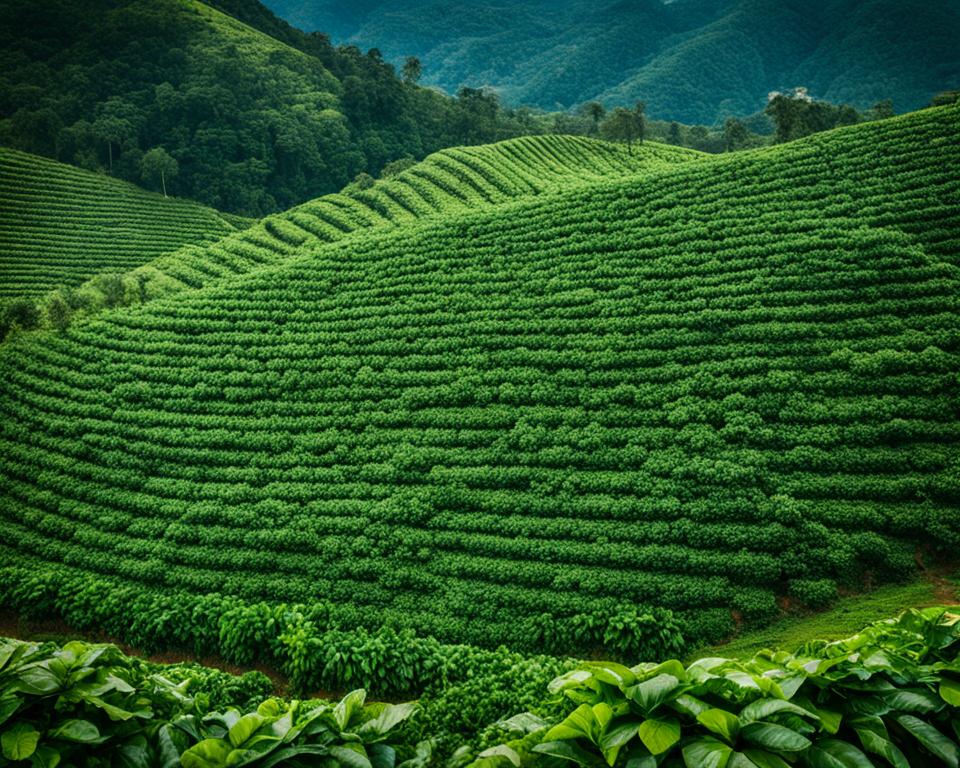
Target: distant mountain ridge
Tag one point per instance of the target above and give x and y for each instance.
(691, 60)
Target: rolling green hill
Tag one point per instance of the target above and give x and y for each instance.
(691, 60)
(448, 182)
(60, 225)
(697, 388)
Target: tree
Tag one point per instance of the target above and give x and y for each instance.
(796, 114)
(20, 313)
(783, 111)
(477, 112)
(944, 98)
(412, 70)
(111, 288)
(640, 118)
(596, 112)
(363, 181)
(735, 135)
(111, 130)
(847, 115)
(675, 133)
(58, 311)
(158, 164)
(883, 109)
(397, 166)
(624, 125)
(117, 120)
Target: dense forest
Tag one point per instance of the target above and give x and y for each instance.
(247, 123)
(696, 61)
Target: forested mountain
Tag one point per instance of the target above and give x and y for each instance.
(691, 60)
(256, 115)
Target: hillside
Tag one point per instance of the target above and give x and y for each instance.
(448, 182)
(690, 60)
(256, 124)
(698, 388)
(60, 225)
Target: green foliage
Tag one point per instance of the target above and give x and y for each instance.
(445, 183)
(412, 70)
(58, 311)
(293, 734)
(945, 98)
(80, 703)
(889, 695)
(397, 166)
(158, 165)
(625, 125)
(250, 119)
(92, 705)
(620, 397)
(796, 115)
(18, 313)
(697, 62)
(321, 646)
(65, 225)
(215, 689)
(814, 594)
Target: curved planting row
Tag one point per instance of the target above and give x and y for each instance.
(450, 181)
(697, 391)
(60, 225)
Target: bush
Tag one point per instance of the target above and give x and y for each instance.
(892, 692)
(19, 313)
(92, 705)
(814, 594)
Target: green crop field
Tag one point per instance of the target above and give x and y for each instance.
(694, 388)
(449, 182)
(60, 225)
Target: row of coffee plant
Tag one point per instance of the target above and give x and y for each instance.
(61, 225)
(698, 390)
(62, 238)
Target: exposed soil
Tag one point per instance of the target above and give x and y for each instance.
(939, 574)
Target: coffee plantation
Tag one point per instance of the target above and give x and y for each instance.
(621, 415)
(60, 226)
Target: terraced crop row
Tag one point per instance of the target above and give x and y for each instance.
(60, 225)
(448, 182)
(696, 390)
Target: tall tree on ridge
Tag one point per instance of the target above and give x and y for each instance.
(596, 112)
(157, 163)
(412, 70)
(735, 135)
(640, 118)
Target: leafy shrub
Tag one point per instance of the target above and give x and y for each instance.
(890, 693)
(814, 594)
(648, 635)
(91, 705)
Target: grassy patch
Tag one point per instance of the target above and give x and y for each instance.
(848, 616)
